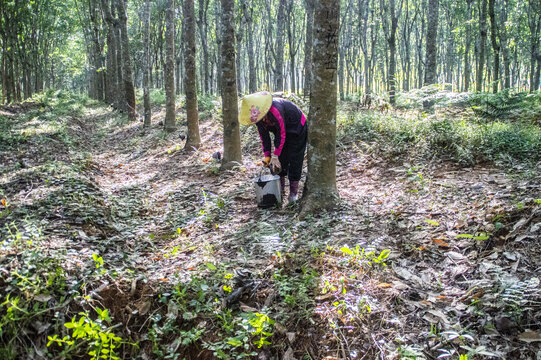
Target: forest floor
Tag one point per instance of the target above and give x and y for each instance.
(425, 258)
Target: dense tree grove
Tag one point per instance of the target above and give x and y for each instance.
(98, 46)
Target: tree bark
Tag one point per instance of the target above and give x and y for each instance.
(482, 41)
(252, 74)
(238, 35)
(419, 44)
(146, 64)
(170, 116)
(291, 31)
(320, 189)
(232, 152)
(219, 36)
(431, 42)
(97, 56)
(406, 35)
(279, 49)
(193, 140)
(203, 28)
(494, 38)
(534, 23)
(467, 64)
(308, 47)
(112, 77)
(121, 93)
(128, 72)
(504, 45)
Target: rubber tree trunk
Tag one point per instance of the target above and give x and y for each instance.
(494, 38)
(112, 77)
(291, 30)
(203, 27)
(219, 36)
(308, 47)
(238, 36)
(482, 41)
(146, 64)
(111, 88)
(320, 189)
(467, 63)
(392, 50)
(431, 42)
(128, 72)
(190, 85)
(232, 153)
(534, 23)
(505, 45)
(121, 93)
(170, 118)
(279, 49)
(252, 74)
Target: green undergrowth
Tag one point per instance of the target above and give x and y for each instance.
(464, 139)
(51, 216)
(236, 309)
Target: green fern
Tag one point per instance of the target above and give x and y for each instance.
(499, 106)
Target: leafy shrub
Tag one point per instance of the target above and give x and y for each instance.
(206, 105)
(425, 136)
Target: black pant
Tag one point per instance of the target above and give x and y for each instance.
(292, 155)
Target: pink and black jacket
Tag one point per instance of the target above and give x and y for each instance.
(283, 118)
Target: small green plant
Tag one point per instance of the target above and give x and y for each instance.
(360, 255)
(214, 208)
(241, 334)
(98, 260)
(99, 341)
(478, 237)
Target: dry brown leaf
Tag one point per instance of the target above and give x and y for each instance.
(529, 336)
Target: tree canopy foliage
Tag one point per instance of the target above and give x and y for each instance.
(487, 45)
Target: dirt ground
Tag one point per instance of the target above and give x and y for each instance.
(422, 259)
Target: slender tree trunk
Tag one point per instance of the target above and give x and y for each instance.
(112, 81)
(482, 41)
(392, 60)
(121, 93)
(431, 42)
(342, 54)
(238, 57)
(252, 83)
(308, 47)
(494, 38)
(170, 116)
(419, 43)
(279, 49)
(193, 140)
(110, 84)
(534, 23)
(291, 30)
(203, 26)
(364, 11)
(467, 64)
(504, 45)
(219, 36)
(146, 64)
(406, 35)
(320, 189)
(128, 72)
(232, 151)
(4, 80)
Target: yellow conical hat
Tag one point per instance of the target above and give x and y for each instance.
(254, 107)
